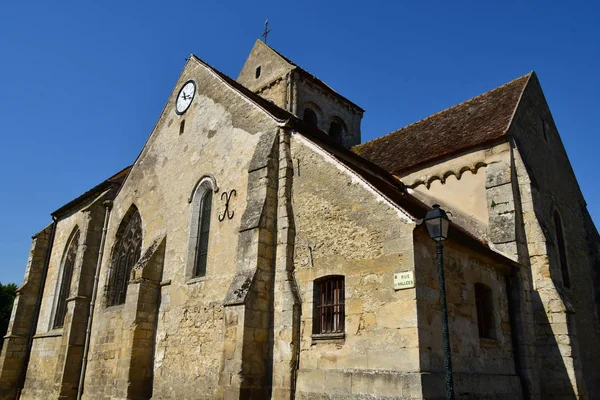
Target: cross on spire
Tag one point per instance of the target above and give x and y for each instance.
(266, 32)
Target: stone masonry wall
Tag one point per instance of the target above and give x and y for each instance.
(14, 350)
(344, 228)
(483, 367)
(272, 68)
(222, 131)
(327, 106)
(56, 353)
(566, 322)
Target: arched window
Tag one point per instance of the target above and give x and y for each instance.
(336, 129)
(328, 305)
(127, 251)
(310, 117)
(562, 253)
(484, 303)
(200, 227)
(68, 265)
(203, 231)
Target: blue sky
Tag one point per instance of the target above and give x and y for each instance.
(82, 83)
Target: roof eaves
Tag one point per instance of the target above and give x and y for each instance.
(114, 181)
(329, 88)
(391, 187)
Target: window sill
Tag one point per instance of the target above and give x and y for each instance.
(329, 337)
(487, 342)
(53, 333)
(196, 280)
(115, 308)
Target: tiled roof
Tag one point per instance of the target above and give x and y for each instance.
(482, 119)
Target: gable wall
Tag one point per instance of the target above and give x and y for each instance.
(272, 68)
(342, 228)
(566, 318)
(221, 134)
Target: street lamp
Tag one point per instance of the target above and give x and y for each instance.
(437, 223)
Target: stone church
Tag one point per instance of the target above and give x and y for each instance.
(253, 248)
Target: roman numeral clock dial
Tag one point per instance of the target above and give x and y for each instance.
(185, 97)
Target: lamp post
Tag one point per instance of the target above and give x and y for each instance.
(437, 223)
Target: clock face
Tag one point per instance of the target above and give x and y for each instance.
(185, 97)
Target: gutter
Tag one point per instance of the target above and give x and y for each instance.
(88, 330)
(36, 312)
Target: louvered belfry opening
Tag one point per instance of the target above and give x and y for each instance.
(127, 252)
(329, 305)
(203, 232)
(67, 277)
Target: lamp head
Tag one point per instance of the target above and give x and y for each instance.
(437, 223)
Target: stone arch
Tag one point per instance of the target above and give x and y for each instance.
(433, 179)
(126, 252)
(312, 114)
(337, 128)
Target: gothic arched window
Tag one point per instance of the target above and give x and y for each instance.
(127, 252)
(68, 265)
(484, 302)
(562, 253)
(310, 117)
(200, 227)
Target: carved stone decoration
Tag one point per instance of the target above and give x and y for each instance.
(226, 213)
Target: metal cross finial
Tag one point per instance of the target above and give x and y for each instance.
(266, 32)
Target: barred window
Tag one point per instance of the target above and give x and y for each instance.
(127, 252)
(562, 253)
(67, 274)
(203, 231)
(328, 311)
(485, 311)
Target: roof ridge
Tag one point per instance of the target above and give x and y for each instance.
(445, 110)
(310, 74)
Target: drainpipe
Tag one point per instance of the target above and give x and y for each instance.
(88, 331)
(36, 313)
(298, 336)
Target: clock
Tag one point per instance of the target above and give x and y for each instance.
(185, 97)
